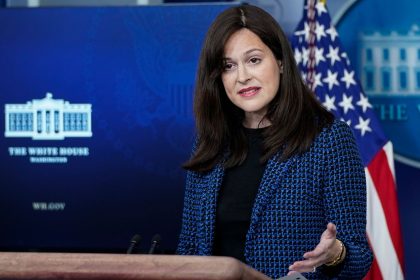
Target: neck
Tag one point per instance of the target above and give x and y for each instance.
(253, 120)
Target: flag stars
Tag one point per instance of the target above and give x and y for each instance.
(331, 79)
(332, 32)
(317, 81)
(320, 8)
(346, 103)
(319, 55)
(305, 56)
(363, 126)
(363, 102)
(348, 78)
(303, 76)
(305, 31)
(346, 58)
(298, 56)
(348, 122)
(333, 55)
(319, 31)
(329, 103)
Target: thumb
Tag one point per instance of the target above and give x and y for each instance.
(330, 232)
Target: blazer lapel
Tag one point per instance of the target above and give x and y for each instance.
(270, 182)
(208, 205)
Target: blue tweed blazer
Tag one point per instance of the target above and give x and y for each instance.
(295, 201)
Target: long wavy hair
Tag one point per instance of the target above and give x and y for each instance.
(295, 114)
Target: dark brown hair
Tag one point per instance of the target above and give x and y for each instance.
(295, 114)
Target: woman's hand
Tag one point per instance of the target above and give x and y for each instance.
(326, 250)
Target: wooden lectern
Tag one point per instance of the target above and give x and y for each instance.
(119, 266)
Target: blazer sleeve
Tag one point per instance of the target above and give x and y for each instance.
(345, 201)
(188, 237)
(187, 244)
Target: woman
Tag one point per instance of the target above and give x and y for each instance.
(273, 180)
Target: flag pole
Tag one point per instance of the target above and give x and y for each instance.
(312, 45)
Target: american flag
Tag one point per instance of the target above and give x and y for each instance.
(327, 70)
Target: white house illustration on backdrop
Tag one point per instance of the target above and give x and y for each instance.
(48, 119)
(391, 63)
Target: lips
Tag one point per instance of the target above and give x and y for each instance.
(249, 91)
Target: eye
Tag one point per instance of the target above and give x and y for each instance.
(228, 66)
(255, 60)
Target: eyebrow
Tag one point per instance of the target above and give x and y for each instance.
(252, 50)
(247, 52)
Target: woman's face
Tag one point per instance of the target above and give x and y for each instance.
(251, 75)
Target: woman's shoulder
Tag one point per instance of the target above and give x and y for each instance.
(336, 128)
(336, 133)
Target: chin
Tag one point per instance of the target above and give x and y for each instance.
(254, 110)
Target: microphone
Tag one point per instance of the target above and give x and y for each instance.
(155, 243)
(135, 240)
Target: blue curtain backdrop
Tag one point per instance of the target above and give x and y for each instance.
(136, 67)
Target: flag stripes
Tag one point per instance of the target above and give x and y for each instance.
(379, 237)
(328, 72)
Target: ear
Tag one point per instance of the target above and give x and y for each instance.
(280, 66)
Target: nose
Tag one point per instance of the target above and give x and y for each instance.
(243, 75)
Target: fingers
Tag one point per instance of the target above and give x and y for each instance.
(318, 251)
(304, 266)
(330, 232)
(320, 254)
(332, 228)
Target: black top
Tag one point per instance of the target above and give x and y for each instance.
(236, 200)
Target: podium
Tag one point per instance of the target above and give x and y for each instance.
(118, 266)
